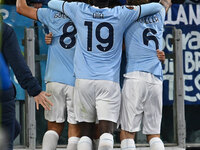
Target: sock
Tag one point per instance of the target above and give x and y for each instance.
(72, 143)
(128, 144)
(156, 144)
(95, 144)
(50, 140)
(85, 143)
(106, 142)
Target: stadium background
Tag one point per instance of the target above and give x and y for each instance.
(184, 15)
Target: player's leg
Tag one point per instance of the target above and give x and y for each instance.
(73, 127)
(127, 140)
(85, 141)
(108, 101)
(56, 116)
(73, 136)
(51, 136)
(155, 142)
(153, 113)
(106, 140)
(133, 98)
(96, 136)
(85, 112)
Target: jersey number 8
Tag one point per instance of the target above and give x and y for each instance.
(70, 35)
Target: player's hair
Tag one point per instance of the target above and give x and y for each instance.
(100, 3)
(113, 3)
(136, 2)
(74, 0)
(85, 1)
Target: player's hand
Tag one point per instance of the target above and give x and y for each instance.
(166, 3)
(161, 55)
(42, 100)
(48, 38)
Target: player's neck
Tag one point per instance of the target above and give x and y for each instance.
(101, 4)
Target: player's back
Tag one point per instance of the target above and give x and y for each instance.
(99, 39)
(142, 39)
(59, 66)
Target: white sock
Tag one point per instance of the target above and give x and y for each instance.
(72, 143)
(50, 140)
(106, 142)
(85, 143)
(128, 144)
(156, 144)
(95, 144)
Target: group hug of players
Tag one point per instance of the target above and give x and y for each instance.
(83, 66)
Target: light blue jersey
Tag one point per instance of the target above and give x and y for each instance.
(142, 39)
(99, 38)
(59, 66)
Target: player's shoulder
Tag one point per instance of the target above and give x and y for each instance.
(127, 9)
(50, 13)
(76, 4)
(161, 14)
(131, 7)
(46, 10)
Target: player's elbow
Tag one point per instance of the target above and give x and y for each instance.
(19, 9)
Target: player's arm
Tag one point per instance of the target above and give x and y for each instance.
(161, 55)
(25, 10)
(166, 3)
(48, 38)
(123, 46)
(150, 9)
(56, 5)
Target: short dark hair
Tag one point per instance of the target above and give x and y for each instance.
(136, 2)
(101, 3)
(113, 3)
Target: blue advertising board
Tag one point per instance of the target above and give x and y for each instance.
(187, 18)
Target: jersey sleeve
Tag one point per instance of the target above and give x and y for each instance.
(43, 15)
(130, 14)
(150, 9)
(56, 5)
(163, 14)
(68, 8)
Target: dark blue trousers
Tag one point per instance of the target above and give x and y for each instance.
(8, 120)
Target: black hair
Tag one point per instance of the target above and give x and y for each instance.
(101, 3)
(113, 3)
(136, 2)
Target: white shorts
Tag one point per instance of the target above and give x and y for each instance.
(141, 101)
(62, 99)
(96, 100)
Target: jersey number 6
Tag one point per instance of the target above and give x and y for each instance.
(147, 38)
